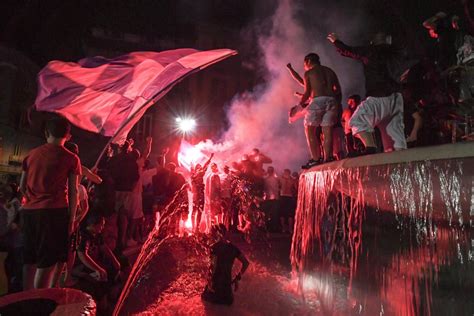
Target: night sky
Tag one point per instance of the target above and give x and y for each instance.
(57, 29)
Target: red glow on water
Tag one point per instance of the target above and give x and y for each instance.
(186, 227)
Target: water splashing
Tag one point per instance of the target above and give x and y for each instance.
(172, 263)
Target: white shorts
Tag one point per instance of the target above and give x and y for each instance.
(386, 113)
(322, 111)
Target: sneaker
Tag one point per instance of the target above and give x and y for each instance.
(311, 163)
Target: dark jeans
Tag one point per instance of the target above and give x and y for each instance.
(271, 209)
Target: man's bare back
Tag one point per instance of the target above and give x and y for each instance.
(323, 82)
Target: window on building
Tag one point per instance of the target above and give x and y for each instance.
(23, 123)
(15, 158)
(17, 150)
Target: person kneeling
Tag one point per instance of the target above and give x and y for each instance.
(97, 269)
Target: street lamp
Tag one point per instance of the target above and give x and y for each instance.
(185, 125)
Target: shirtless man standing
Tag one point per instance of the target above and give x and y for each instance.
(322, 87)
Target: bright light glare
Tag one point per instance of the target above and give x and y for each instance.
(186, 125)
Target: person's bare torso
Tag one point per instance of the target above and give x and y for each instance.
(323, 81)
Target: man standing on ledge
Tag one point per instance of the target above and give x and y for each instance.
(322, 87)
(383, 107)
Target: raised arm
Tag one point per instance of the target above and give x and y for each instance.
(207, 162)
(358, 53)
(295, 75)
(164, 152)
(147, 151)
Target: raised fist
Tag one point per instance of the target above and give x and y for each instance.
(332, 37)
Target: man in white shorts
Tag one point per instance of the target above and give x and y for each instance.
(323, 89)
(383, 107)
(387, 114)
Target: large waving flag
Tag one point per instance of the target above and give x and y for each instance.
(108, 96)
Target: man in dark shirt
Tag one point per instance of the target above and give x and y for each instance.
(177, 180)
(383, 107)
(161, 184)
(125, 174)
(223, 253)
(449, 38)
(197, 187)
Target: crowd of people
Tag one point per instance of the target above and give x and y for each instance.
(430, 102)
(77, 224)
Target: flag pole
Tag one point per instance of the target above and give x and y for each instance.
(119, 130)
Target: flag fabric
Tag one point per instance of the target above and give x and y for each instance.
(108, 96)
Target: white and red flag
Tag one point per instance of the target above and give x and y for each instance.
(108, 96)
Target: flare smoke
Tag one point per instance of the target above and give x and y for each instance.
(260, 119)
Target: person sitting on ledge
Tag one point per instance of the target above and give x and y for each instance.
(223, 253)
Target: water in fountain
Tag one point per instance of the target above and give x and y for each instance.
(387, 240)
(171, 272)
(394, 239)
(163, 233)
